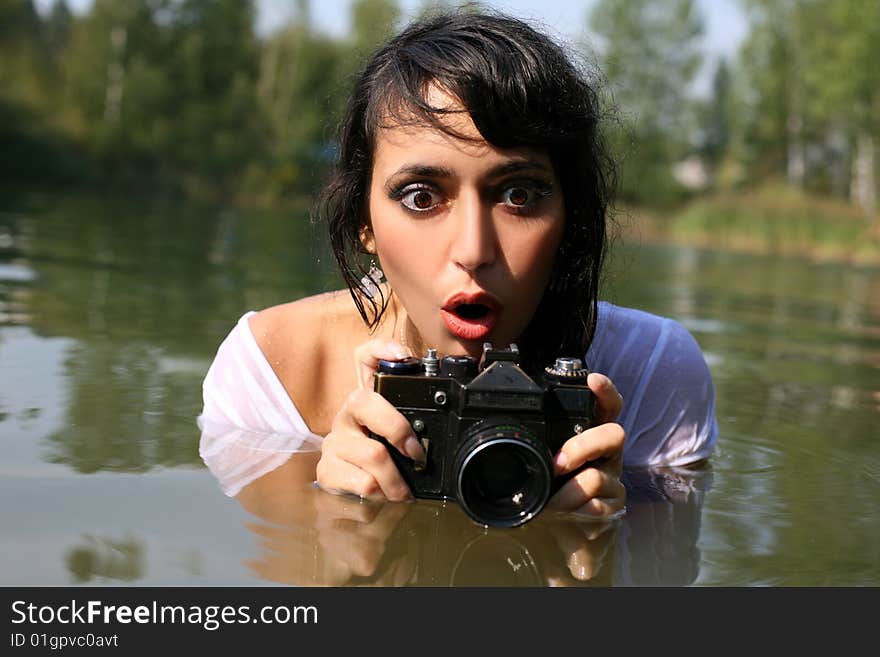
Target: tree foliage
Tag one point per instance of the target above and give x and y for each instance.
(183, 94)
(813, 94)
(650, 52)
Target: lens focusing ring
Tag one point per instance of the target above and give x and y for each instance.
(488, 496)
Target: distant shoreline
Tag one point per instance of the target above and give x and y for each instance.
(768, 221)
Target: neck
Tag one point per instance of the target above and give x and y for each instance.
(404, 331)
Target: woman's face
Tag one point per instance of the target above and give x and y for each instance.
(466, 233)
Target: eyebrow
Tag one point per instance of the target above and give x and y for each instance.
(512, 166)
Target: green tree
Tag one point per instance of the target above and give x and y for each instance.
(31, 91)
(434, 7)
(841, 38)
(813, 107)
(57, 27)
(717, 118)
(372, 21)
(218, 126)
(649, 51)
(24, 66)
(117, 87)
(299, 92)
(772, 62)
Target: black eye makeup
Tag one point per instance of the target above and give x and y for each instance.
(416, 197)
(517, 194)
(523, 196)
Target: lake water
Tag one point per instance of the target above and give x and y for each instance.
(110, 312)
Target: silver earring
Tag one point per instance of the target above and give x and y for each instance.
(370, 282)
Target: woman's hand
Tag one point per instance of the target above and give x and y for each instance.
(596, 490)
(350, 461)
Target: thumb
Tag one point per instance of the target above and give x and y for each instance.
(368, 355)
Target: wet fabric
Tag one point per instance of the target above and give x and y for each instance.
(250, 425)
(668, 396)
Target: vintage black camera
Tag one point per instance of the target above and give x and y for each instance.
(489, 429)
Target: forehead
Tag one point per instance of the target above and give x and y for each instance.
(403, 134)
(399, 121)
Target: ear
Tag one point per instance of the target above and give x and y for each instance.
(365, 234)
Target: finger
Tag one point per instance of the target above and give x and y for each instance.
(371, 411)
(602, 442)
(365, 473)
(368, 355)
(609, 401)
(588, 486)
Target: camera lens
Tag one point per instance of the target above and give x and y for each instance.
(503, 473)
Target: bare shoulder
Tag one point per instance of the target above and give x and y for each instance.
(301, 320)
(308, 344)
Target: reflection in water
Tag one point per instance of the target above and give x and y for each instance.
(121, 411)
(106, 558)
(16, 277)
(111, 310)
(140, 289)
(795, 352)
(309, 537)
(658, 541)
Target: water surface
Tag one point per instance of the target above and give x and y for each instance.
(110, 312)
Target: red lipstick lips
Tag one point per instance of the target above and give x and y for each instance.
(470, 316)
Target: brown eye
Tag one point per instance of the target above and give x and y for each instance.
(420, 200)
(518, 196)
(524, 196)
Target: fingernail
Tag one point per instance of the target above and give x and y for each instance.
(560, 461)
(413, 449)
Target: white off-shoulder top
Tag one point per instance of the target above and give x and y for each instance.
(250, 425)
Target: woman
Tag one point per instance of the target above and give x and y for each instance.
(473, 175)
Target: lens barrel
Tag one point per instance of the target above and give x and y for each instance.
(503, 473)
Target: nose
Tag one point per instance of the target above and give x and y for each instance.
(476, 243)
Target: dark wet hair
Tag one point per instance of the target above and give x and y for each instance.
(521, 90)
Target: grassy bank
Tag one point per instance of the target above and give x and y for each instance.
(771, 220)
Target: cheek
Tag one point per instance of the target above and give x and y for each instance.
(405, 260)
(533, 257)
(399, 260)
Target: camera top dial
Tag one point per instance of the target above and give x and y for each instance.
(567, 370)
(406, 366)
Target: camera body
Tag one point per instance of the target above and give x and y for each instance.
(489, 429)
